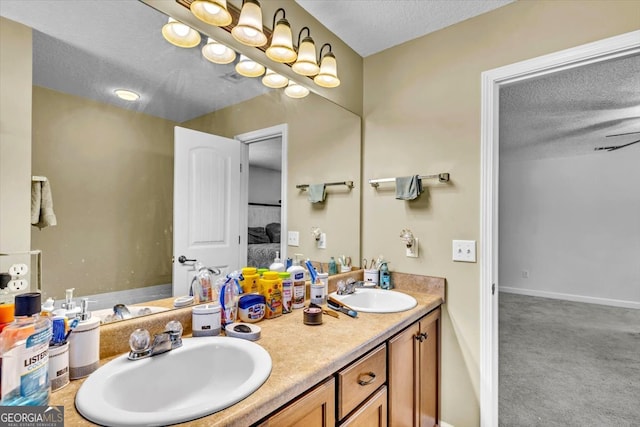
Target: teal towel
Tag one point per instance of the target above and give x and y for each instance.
(316, 193)
(408, 187)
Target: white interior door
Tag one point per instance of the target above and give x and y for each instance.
(206, 204)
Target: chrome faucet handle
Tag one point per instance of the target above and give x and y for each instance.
(140, 344)
(174, 328)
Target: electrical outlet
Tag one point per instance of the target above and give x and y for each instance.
(322, 242)
(293, 238)
(464, 250)
(17, 270)
(412, 252)
(525, 274)
(18, 285)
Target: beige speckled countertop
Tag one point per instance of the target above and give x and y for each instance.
(302, 355)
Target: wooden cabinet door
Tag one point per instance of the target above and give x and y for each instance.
(402, 378)
(315, 409)
(428, 364)
(372, 414)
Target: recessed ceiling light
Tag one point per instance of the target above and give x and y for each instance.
(127, 95)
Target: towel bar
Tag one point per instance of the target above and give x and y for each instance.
(442, 177)
(347, 183)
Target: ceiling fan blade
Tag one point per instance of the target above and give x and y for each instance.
(622, 146)
(621, 134)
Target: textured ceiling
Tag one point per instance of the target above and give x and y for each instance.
(571, 112)
(369, 27)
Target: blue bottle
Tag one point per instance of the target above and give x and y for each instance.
(385, 277)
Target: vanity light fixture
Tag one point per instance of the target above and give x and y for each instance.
(281, 48)
(179, 34)
(306, 64)
(249, 29)
(274, 80)
(127, 95)
(217, 52)
(328, 76)
(212, 12)
(294, 90)
(249, 68)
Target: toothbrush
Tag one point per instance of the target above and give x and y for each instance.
(312, 271)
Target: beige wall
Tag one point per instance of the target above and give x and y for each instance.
(422, 116)
(15, 141)
(323, 146)
(111, 172)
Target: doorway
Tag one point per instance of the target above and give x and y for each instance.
(624, 45)
(264, 195)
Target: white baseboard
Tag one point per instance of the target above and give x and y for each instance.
(571, 297)
(443, 424)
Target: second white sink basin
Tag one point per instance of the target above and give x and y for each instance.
(375, 300)
(205, 375)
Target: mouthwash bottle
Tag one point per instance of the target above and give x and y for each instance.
(24, 345)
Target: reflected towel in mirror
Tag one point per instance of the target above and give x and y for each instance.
(42, 214)
(408, 187)
(316, 193)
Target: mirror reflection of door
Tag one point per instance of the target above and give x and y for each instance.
(207, 208)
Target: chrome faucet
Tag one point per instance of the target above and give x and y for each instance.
(346, 288)
(169, 339)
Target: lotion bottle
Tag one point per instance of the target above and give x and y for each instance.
(84, 344)
(277, 264)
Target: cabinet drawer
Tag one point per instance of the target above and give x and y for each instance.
(359, 380)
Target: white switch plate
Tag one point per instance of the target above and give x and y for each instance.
(322, 243)
(412, 252)
(464, 250)
(293, 238)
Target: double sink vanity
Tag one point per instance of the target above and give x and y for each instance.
(346, 371)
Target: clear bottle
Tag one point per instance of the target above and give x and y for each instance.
(202, 284)
(333, 267)
(385, 277)
(277, 264)
(24, 345)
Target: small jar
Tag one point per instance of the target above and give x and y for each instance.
(205, 320)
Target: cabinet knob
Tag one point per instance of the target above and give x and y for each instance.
(421, 337)
(372, 378)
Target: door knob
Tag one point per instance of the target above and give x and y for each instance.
(182, 259)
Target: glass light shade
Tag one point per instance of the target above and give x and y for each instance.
(306, 64)
(249, 28)
(328, 76)
(180, 35)
(274, 80)
(281, 49)
(294, 90)
(212, 12)
(127, 95)
(249, 68)
(217, 52)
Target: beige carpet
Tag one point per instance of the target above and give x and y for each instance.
(565, 363)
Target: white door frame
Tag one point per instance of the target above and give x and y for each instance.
(618, 46)
(256, 136)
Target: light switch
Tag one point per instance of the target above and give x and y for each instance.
(464, 250)
(322, 242)
(293, 238)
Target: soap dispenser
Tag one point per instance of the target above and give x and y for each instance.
(84, 344)
(277, 264)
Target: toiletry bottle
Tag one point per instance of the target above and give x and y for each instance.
(333, 267)
(271, 289)
(84, 344)
(24, 345)
(385, 277)
(297, 273)
(229, 295)
(6, 317)
(287, 292)
(277, 264)
(249, 282)
(203, 284)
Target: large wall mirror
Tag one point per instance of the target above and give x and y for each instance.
(110, 161)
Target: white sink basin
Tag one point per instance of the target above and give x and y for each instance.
(375, 300)
(205, 375)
